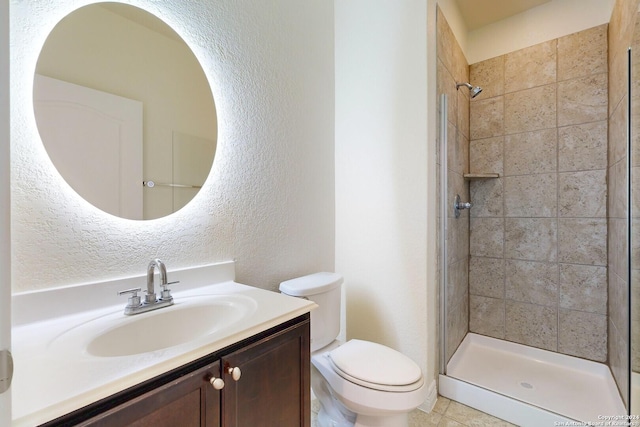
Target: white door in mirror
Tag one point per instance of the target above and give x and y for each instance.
(82, 126)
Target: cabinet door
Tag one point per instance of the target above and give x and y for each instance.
(274, 387)
(189, 401)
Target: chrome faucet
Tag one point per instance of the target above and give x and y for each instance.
(151, 301)
(150, 298)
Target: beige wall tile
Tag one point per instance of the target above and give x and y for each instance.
(529, 110)
(619, 297)
(583, 53)
(618, 360)
(530, 195)
(621, 27)
(635, 319)
(487, 237)
(530, 67)
(463, 112)
(617, 247)
(582, 241)
(489, 75)
(487, 118)
(486, 316)
(583, 287)
(456, 158)
(635, 244)
(457, 326)
(533, 325)
(618, 190)
(486, 277)
(635, 108)
(532, 239)
(457, 240)
(618, 74)
(486, 155)
(582, 194)
(487, 198)
(618, 133)
(457, 283)
(445, 43)
(447, 86)
(583, 335)
(531, 152)
(635, 191)
(582, 100)
(582, 147)
(531, 282)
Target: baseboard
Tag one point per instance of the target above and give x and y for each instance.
(432, 396)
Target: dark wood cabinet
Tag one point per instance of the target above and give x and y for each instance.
(272, 388)
(189, 401)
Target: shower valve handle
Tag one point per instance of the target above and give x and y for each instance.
(458, 206)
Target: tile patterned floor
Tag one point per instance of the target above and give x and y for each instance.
(446, 413)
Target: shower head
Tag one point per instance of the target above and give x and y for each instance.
(473, 90)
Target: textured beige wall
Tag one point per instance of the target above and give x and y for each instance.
(269, 202)
(538, 233)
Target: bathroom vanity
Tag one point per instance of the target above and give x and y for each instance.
(272, 389)
(246, 365)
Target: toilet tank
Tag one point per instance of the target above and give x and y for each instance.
(324, 290)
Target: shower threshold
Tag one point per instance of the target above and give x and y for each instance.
(528, 386)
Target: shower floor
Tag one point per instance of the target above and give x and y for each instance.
(559, 384)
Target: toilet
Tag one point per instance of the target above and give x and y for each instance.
(358, 383)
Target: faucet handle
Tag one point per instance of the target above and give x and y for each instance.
(134, 299)
(165, 294)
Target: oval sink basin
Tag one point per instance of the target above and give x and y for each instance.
(187, 320)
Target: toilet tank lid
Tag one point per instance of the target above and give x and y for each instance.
(311, 284)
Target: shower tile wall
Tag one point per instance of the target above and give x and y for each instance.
(538, 234)
(621, 30)
(452, 68)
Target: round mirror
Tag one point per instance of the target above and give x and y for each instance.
(125, 111)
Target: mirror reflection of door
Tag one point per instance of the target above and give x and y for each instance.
(95, 140)
(123, 50)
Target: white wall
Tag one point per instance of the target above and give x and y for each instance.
(384, 174)
(5, 232)
(548, 21)
(269, 203)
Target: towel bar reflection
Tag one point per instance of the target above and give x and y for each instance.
(151, 184)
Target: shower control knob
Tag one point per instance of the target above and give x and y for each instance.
(458, 205)
(217, 383)
(234, 372)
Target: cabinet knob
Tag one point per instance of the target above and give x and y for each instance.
(217, 383)
(234, 372)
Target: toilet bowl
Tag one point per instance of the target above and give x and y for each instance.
(358, 383)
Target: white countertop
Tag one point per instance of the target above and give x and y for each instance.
(51, 380)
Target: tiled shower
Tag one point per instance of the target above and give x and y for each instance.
(540, 258)
(538, 234)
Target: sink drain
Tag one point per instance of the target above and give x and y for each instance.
(526, 385)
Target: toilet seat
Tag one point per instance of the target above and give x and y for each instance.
(375, 366)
